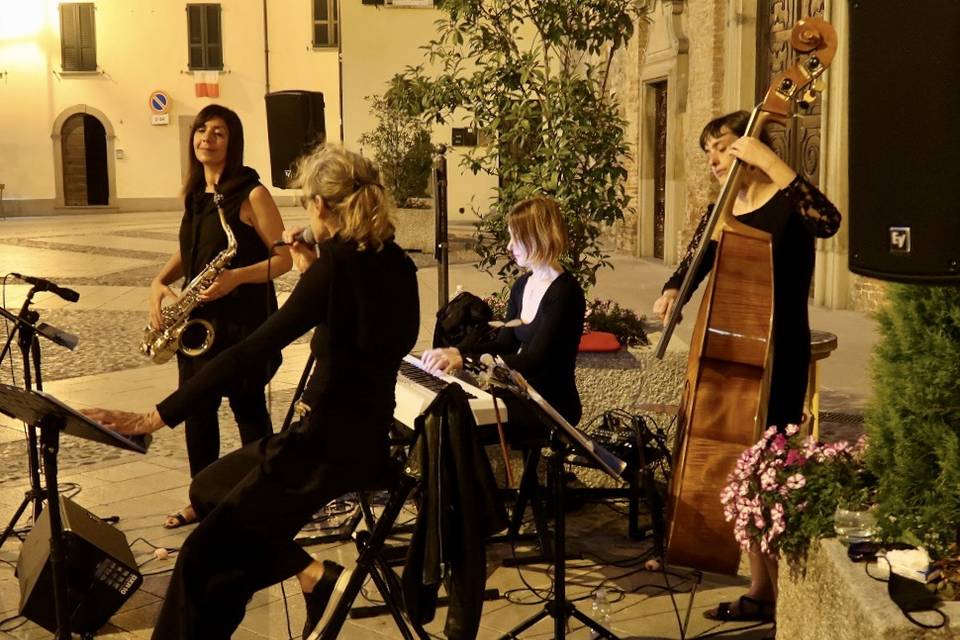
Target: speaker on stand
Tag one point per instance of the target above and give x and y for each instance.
(295, 125)
(904, 105)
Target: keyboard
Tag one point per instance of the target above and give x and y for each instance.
(417, 388)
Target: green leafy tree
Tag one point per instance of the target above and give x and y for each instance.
(402, 148)
(533, 76)
(914, 419)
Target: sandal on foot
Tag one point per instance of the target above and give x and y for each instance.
(746, 609)
(181, 518)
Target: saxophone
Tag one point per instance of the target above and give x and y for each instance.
(160, 345)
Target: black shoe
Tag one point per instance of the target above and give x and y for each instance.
(318, 599)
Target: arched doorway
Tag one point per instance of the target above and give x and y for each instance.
(84, 148)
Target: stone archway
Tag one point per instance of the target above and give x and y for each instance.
(102, 158)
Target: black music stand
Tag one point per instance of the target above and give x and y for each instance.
(26, 329)
(43, 411)
(564, 438)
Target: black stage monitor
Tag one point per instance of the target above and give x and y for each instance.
(295, 124)
(101, 570)
(904, 102)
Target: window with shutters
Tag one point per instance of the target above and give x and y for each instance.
(326, 23)
(78, 42)
(204, 36)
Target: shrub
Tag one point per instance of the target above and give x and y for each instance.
(402, 148)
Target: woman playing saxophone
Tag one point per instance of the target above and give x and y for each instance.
(240, 297)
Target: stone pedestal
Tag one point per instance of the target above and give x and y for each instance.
(415, 229)
(627, 380)
(836, 600)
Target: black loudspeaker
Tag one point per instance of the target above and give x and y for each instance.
(295, 124)
(904, 136)
(101, 571)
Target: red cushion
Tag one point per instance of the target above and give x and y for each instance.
(599, 342)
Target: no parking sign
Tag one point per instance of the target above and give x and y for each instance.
(159, 104)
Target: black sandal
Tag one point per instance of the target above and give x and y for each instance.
(180, 518)
(746, 609)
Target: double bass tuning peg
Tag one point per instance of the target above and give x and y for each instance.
(810, 95)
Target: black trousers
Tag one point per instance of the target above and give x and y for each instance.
(202, 428)
(244, 542)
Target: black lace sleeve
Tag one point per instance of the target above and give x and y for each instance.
(819, 215)
(676, 280)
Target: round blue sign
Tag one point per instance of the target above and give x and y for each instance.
(159, 102)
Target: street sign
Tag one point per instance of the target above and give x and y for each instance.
(159, 102)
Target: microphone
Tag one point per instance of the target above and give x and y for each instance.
(42, 284)
(305, 236)
(58, 336)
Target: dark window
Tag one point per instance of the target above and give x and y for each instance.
(326, 23)
(204, 36)
(78, 42)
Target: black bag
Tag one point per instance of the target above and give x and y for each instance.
(463, 322)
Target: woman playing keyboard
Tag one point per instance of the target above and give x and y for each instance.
(550, 305)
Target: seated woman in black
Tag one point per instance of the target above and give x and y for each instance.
(359, 294)
(550, 304)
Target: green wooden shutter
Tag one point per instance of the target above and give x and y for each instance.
(195, 36)
(204, 36)
(78, 42)
(88, 37)
(69, 37)
(214, 37)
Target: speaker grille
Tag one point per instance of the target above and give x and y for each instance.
(904, 106)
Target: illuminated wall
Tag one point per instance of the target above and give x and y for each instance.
(379, 42)
(142, 46)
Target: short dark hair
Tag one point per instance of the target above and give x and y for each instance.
(234, 159)
(735, 122)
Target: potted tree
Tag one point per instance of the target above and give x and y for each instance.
(401, 146)
(533, 77)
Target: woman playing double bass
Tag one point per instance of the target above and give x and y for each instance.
(773, 198)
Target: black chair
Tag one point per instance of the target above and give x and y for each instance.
(371, 560)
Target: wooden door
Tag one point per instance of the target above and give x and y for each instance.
(659, 167)
(84, 145)
(74, 162)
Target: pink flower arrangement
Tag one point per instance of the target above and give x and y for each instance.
(785, 488)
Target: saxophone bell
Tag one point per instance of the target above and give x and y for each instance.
(192, 337)
(196, 337)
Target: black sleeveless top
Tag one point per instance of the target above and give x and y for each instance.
(238, 313)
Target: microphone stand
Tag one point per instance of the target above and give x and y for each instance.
(441, 249)
(24, 329)
(50, 428)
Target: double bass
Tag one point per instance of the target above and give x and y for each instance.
(723, 409)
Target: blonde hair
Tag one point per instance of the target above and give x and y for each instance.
(350, 188)
(536, 223)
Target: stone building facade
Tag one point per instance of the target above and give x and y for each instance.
(690, 61)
